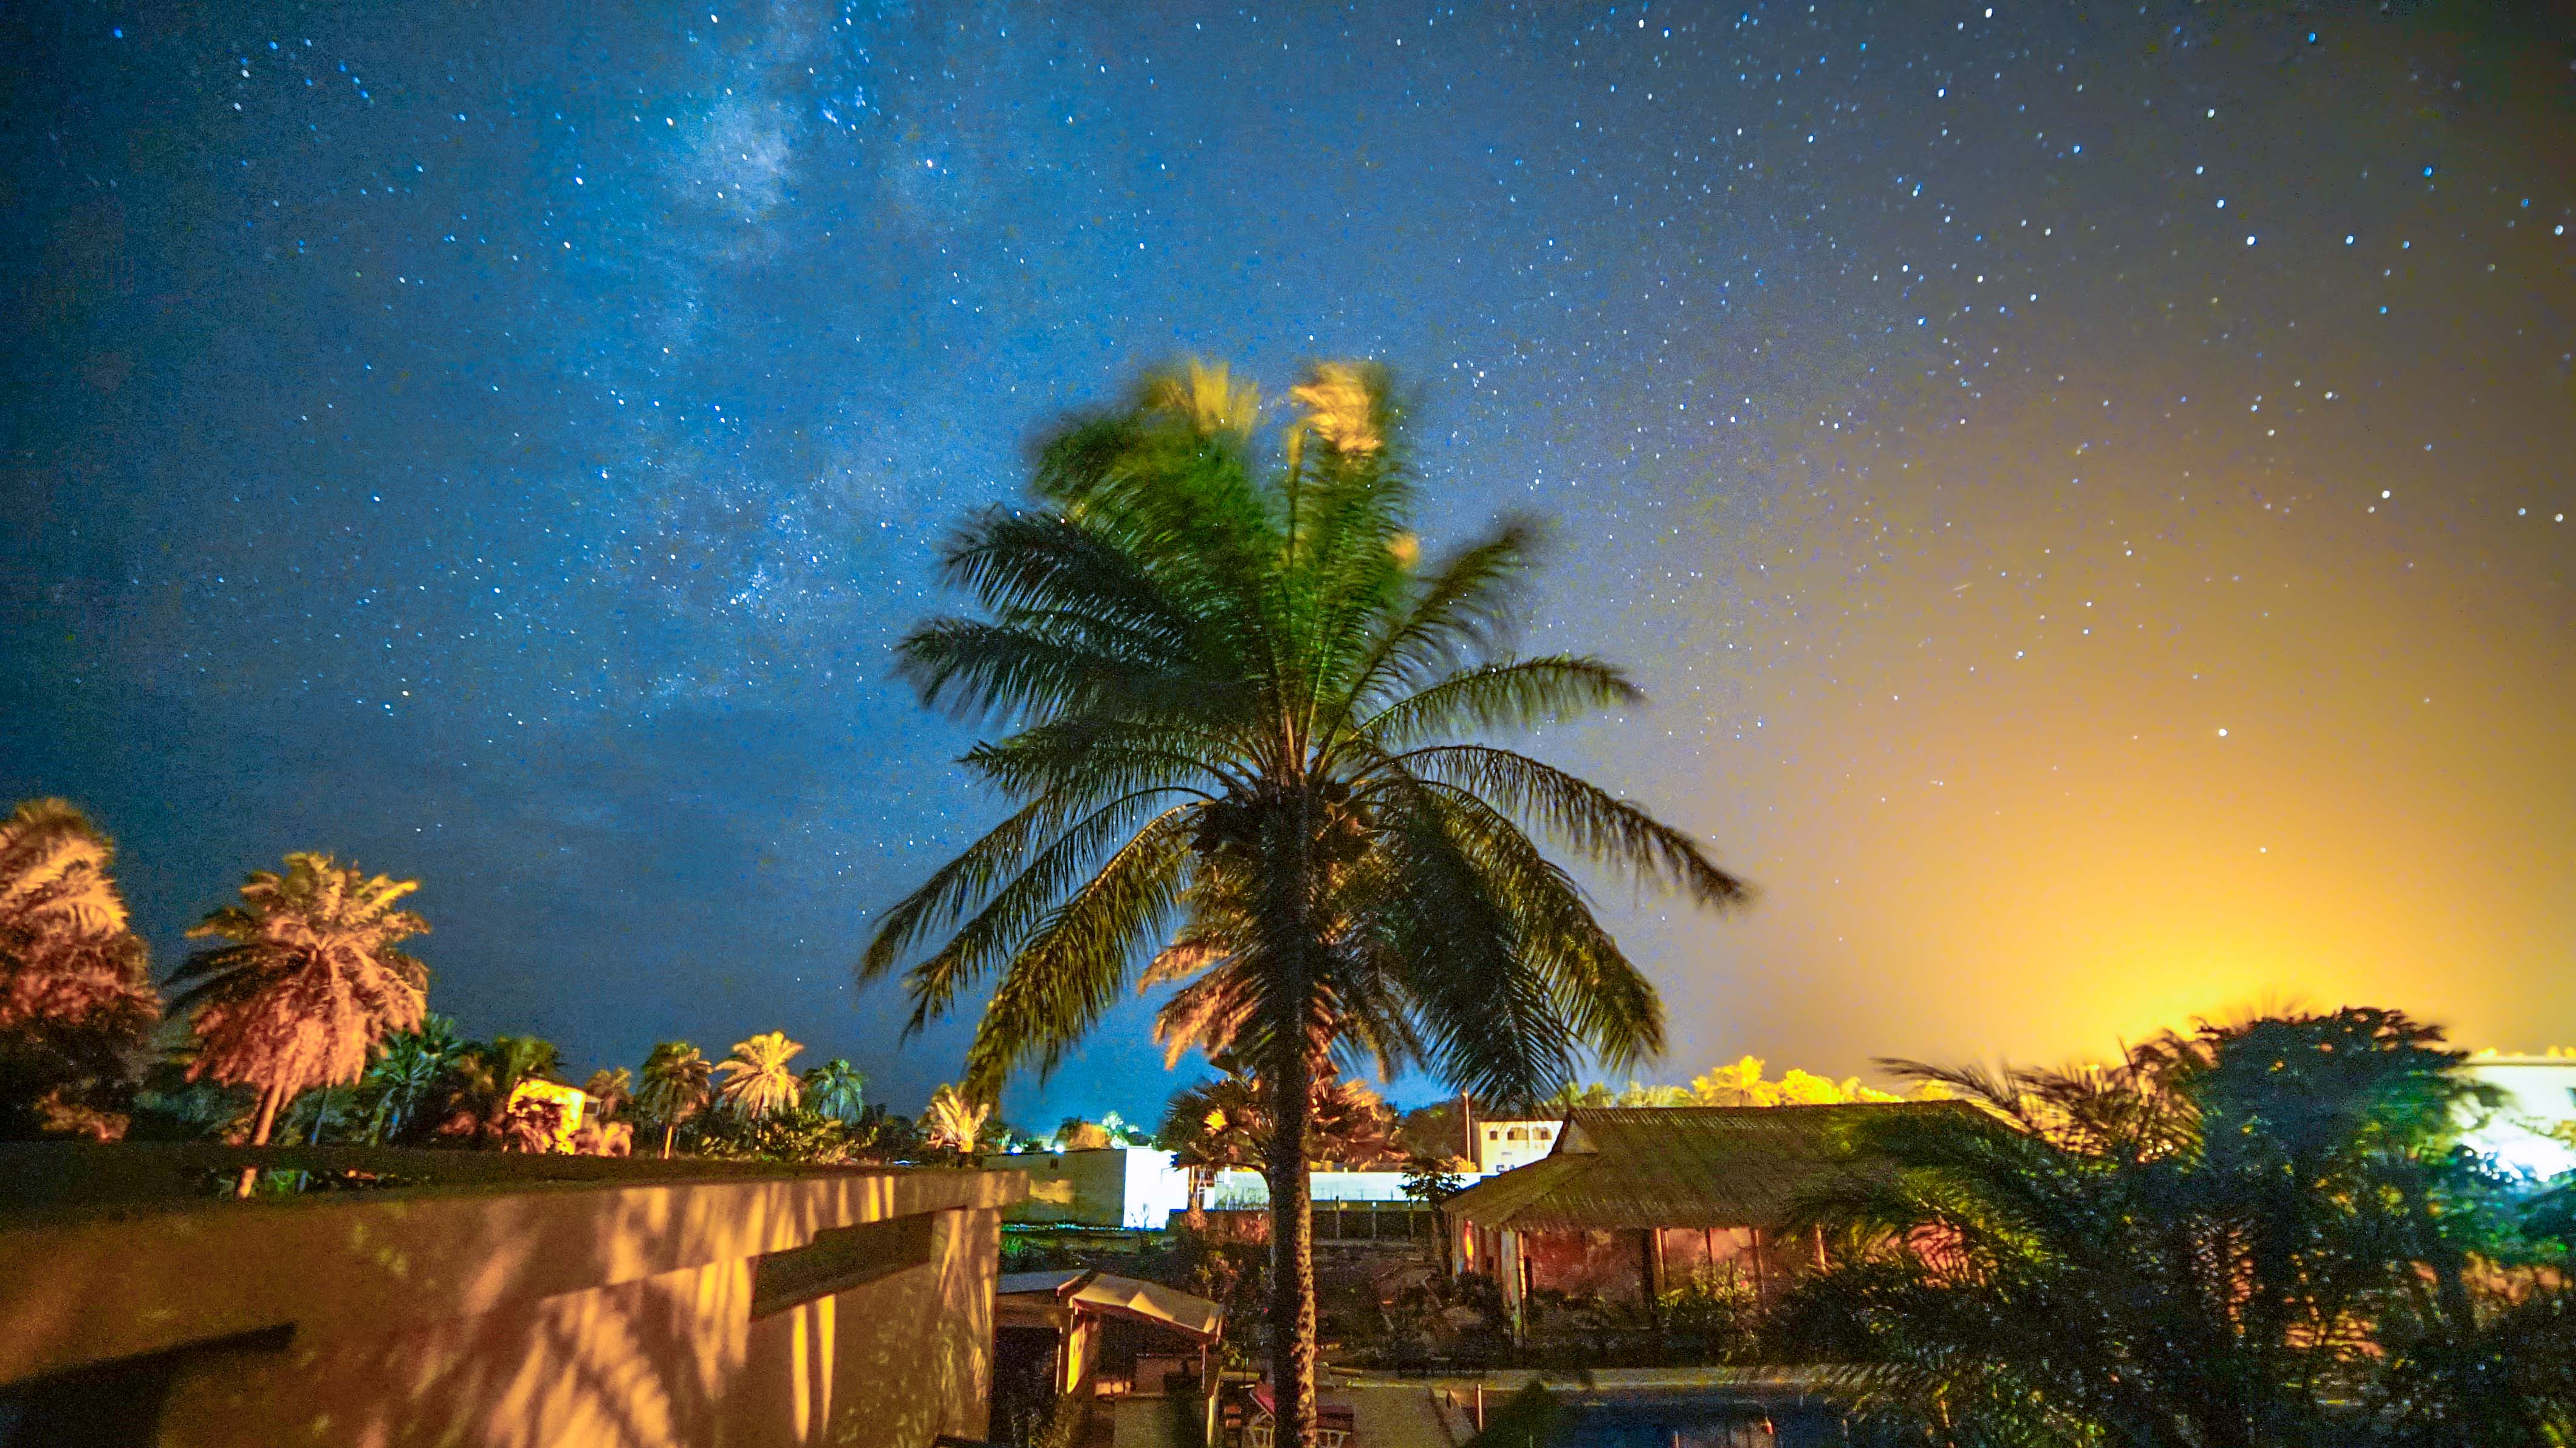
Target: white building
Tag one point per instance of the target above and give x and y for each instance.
(1505, 1142)
(1138, 1187)
(2540, 1097)
(1246, 1190)
(1114, 1186)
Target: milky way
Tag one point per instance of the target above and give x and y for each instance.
(2087, 495)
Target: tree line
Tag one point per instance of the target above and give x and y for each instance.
(2269, 1232)
(302, 1019)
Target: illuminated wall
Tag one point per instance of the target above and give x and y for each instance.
(841, 1307)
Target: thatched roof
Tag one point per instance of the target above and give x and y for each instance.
(1676, 1166)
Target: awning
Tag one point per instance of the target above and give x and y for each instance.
(1128, 1297)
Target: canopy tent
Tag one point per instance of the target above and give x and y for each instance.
(1090, 1291)
(1059, 1324)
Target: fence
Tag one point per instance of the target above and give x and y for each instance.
(1388, 1225)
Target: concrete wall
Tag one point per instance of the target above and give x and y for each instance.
(1088, 1188)
(897, 1361)
(563, 1314)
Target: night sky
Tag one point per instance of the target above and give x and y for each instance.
(2086, 493)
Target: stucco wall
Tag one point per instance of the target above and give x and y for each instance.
(613, 1315)
(900, 1360)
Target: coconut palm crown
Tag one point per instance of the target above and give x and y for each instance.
(75, 988)
(675, 1088)
(954, 1121)
(1242, 726)
(306, 982)
(836, 1089)
(757, 1081)
(409, 1066)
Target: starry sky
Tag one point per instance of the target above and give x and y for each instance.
(2086, 489)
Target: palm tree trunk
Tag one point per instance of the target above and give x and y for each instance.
(668, 1128)
(268, 1104)
(1292, 1243)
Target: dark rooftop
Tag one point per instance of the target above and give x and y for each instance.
(1677, 1166)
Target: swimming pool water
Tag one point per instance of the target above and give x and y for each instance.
(1698, 1422)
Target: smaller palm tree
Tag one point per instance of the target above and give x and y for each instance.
(757, 1081)
(953, 1122)
(486, 1078)
(305, 983)
(837, 1089)
(409, 1066)
(609, 1090)
(676, 1087)
(1212, 1127)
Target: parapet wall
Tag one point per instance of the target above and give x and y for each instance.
(653, 1305)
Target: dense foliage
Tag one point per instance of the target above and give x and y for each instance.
(2260, 1234)
(76, 997)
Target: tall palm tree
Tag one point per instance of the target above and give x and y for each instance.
(757, 1079)
(305, 983)
(837, 1089)
(76, 996)
(676, 1087)
(1242, 723)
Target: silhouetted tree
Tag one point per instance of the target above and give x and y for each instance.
(2259, 1234)
(676, 1087)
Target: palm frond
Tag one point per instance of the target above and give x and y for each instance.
(1512, 694)
(1076, 965)
(1004, 924)
(1464, 611)
(1587, 817)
